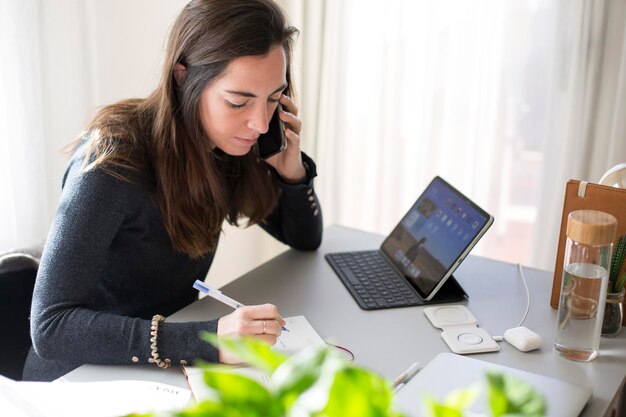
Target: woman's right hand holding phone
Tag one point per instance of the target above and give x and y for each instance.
(288, 163)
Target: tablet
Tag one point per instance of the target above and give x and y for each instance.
(434, 236)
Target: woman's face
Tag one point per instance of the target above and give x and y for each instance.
(237, 107)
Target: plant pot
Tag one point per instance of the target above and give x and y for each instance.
(613, 314)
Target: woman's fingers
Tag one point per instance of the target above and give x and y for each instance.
(291, 121)
(289, 115)
(269, 338)
(267, 327)
(260, 321)
(262, 311)
(252, 320)
(293, 137)
(288, 105)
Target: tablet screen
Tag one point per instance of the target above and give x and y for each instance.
(434, 236)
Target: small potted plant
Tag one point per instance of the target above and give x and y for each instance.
(321, 382)
(613, 310)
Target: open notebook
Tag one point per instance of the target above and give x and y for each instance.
(300, 335)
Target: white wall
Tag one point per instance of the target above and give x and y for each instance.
(97, 52)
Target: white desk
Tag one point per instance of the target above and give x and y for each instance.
(388, 341)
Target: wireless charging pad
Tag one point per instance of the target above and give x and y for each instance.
(469, 340)
(444, 316)
(460, 331)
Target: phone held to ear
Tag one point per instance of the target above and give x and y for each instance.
(274, 140)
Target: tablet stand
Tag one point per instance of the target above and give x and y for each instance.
(450, 292)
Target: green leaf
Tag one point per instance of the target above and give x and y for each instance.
(299, 372)
(434, 408)
(510, 396)
(462, 398)
(454, 403)
(617, 261)
(620, 283)
(217, 409)
(253, 352)
(204, 409)
(357, 392)
(307, 392)
(241, 393)
(150, 415)
(208, 409)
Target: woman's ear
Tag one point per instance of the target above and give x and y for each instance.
(180, 72)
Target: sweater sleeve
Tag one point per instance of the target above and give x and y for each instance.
(297, 220)
(74, 318)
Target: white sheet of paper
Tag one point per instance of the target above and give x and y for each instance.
(300, 336)
(94, 399)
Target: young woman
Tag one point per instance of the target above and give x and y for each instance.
(149, 186)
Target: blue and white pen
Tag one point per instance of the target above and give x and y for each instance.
(220, 296)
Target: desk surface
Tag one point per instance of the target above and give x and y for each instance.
(388, 341)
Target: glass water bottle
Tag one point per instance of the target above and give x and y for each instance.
(590, 236)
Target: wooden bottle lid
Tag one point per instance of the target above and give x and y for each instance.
(591, 227)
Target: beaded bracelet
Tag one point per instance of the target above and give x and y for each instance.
(166, 363)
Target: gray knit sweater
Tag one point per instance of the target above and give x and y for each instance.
(108, 266)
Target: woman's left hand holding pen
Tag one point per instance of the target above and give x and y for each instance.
(260, 321)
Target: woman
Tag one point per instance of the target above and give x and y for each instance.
(149, 186)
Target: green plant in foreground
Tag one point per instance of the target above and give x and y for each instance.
(507, 396)
(321, 382)
(616, 282)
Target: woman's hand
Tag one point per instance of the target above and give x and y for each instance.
(288, 163)
(260, 321)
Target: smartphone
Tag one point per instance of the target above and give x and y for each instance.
(274, 140)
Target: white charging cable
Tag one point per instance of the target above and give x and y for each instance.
(521, 273)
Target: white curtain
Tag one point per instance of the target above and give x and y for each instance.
(505, 100)
(587, 129)
(23, 207)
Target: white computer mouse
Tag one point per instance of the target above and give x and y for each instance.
(523, 339)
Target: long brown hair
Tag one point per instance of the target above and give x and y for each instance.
(195, 188)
